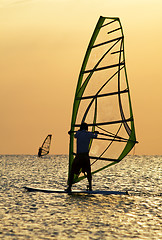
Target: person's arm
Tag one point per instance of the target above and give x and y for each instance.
(70, 132)
(96, 133)
(93, 134)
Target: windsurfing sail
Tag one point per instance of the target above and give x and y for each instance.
(44, 149)
(102, 98)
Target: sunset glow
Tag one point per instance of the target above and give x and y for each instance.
(42, 47)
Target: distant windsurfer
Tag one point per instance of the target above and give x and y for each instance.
(82, 161)
(44, 149)
(40, 152)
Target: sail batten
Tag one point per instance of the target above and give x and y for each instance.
(110, 41)
(109, 23)
(103, 159)
(103, 95)
(105, 67)
(117, 52)
(114, 30)
(106, 123)
(102, 98)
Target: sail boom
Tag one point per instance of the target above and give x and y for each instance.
(104, 159)
(111, 139)
(116, 140)
(101, 158)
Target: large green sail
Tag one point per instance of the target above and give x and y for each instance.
(102, 98)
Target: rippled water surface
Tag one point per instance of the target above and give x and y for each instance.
(28, 215)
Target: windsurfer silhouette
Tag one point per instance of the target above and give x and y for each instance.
(82, 161)
(40, 152)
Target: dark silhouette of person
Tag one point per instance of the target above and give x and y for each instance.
(39, 152)
(81, 162)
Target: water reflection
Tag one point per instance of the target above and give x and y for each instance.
(28, 215)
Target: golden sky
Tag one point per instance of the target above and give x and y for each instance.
(42, 46)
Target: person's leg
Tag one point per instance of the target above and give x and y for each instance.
(89, 176)
(71, 177)
(73, 171)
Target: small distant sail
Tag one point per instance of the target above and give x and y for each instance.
(44, 149)
(102, 99)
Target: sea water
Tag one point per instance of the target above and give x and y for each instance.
(36, 215)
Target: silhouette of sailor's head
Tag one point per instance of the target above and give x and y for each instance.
(83, 126)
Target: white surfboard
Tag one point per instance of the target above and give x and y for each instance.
(60, 191)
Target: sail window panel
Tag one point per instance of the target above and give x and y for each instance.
(102, 57)
(110, 83)
(103, 34)
(110, 60)
(84, 104)
(95, 83)
(98, 164)
(104, 148)
(108, 109)
(102, 83)
(112, 152)
(107, 149)
(98, 87)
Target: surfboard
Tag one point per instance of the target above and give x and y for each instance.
(60, 191)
